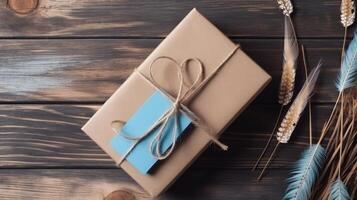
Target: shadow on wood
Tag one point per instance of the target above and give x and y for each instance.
(22, 6)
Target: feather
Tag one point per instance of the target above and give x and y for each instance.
(286, 6)
(347, 12)
(305, 173)
(292, 116)
(339, 191)
(291, 53)
(348, 73)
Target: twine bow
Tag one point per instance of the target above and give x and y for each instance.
(177, 107)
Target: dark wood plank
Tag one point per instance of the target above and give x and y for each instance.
(102, 18)
(70, 70)
(37, 136)
(93, 184)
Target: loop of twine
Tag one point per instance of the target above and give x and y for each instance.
(178, 107)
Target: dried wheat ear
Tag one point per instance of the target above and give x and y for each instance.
(286, 6)
(287, 83)
(347, 12)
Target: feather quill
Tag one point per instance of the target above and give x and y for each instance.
(286, 6)
(305, 173)
(291, 53)
(348, 73)
(339, 191)
(292, 117)
(347, 12)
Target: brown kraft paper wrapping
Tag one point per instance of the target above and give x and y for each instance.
(217, 104)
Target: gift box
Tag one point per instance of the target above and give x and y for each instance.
(176, 103)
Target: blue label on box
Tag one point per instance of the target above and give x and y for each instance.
(149, 113)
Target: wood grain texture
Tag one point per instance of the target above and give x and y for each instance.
(93, 184)
(70, 70)
(135, 18)
(37, 136)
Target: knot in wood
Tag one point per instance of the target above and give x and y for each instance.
(120, 195)
(22, 6)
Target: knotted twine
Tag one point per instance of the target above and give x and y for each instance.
(178, 105)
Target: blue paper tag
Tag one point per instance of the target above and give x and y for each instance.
(150, 112)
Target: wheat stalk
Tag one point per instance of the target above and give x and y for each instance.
(347, 12)
(286, 6)
(287, 83)
(293, 115)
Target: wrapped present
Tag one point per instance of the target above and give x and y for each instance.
(176, 103)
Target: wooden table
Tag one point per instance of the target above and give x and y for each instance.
(61, 61)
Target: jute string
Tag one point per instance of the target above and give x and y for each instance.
(178, 107)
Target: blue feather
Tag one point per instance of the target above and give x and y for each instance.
(305, 173)
(339, 191)
(348, 73)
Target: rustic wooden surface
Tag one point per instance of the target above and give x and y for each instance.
(61, 61)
